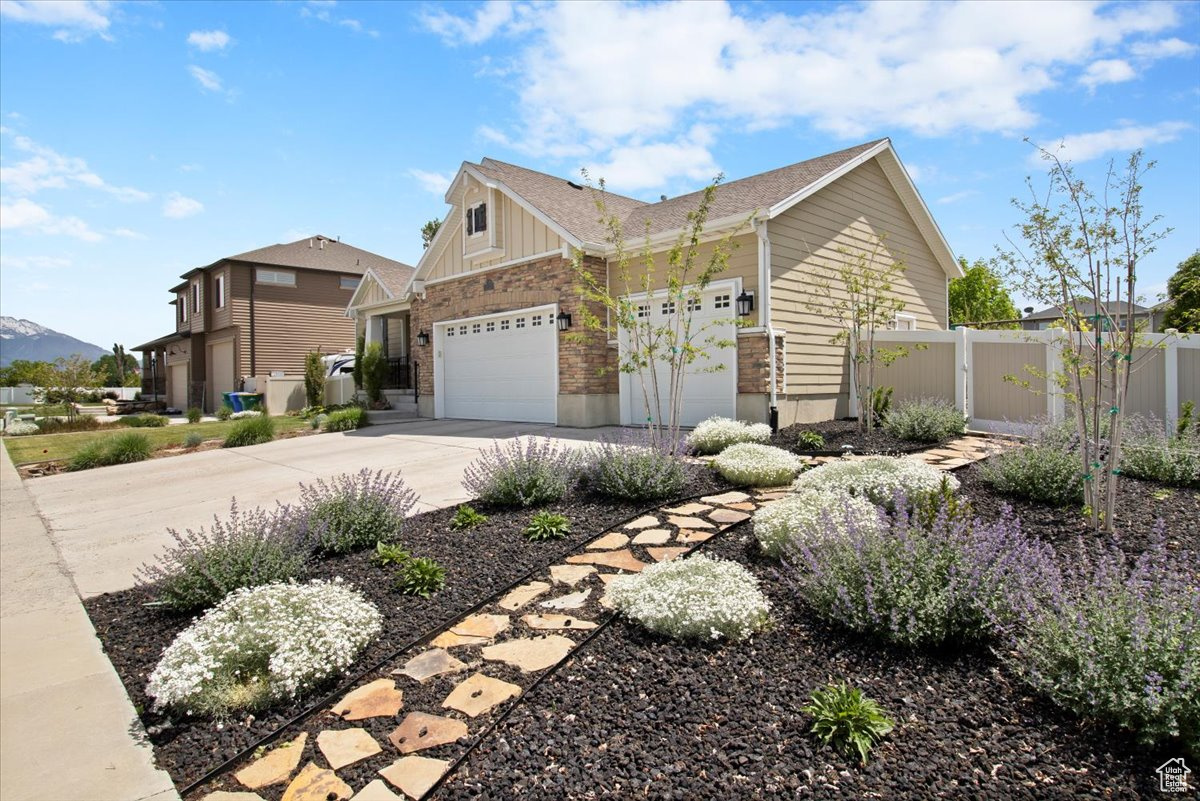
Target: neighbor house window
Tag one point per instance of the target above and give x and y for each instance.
(349, 282)
(181, 302)
(278, 277)
(905, 322)
(219, 289)
(477, 219)
(195, 297)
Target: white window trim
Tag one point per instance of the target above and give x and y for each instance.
(219, 288)
(905, 318)
(470, 211)
(195, 292)
(259, 271)
(183, 306)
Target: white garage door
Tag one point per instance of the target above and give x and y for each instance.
(706, 390)
(500, 367)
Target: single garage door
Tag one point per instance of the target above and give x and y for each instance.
(179, 385)
(221, 359)
(707, 390)
(500, 367)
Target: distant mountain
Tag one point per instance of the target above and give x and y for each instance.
(23, 339)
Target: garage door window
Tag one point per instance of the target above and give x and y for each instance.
(504, 325)
(520, 322)
(721, 302)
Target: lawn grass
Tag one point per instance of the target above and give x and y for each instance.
(40, 411)
(45, 447)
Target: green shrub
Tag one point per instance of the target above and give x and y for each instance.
(466, 517)
(58, 425)
(1148, 453)
(390, 554)
(1039, 472)
(193, 440)
(810, 441)
(881, 403)
(374, 372)
(1185, 423)
(345, 420)
(846, 719)
(146, 421)
(352, 512)
(194, 414)
(421, 576)
(89, 456)
(522, 472)
(127, 447)
(250, 431)
(634, 471)
(752, 465)
(225, 412)
(925, 420)
(547, 526)
(314, 378)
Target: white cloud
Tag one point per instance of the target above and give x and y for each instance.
(1107, 70)
(47, 169)
(128, 233)
(209, 40)
(1162, 48)
(643, 166)
(593, 78)
(957, 197)
(177, 206)
(24, 214)
(1087, 146)
(434, 182)
(73, 20)
(209, 81)
(323, 10)
(38, 263)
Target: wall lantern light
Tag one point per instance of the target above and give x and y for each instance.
(745, 304)
(422, 339)
(564, 321)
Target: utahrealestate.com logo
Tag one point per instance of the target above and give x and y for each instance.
(1173, 776)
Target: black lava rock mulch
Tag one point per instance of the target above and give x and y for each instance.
(636, 715)
(844, 432)
(478, 563)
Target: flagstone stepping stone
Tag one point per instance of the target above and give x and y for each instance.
(745, 507)
(557, 623)
(689, 522)
(611, 540)
(653, 536)
(275, 767)
(414, 775)
(478, 694)
(523, 595)
(621, 560)
(730, 516)
(726, 498)
(378, 699)
(688, 509)
(420, 730)
(692, 537)
(376, 791)
(665, 554)
(317, 784)
(645, 521)
(225, 795)
(473, 630)
(572, 601)
(570, 574)
(608, 577)
(775, 495)
(530, 654)
(434, 662)
(346, 746)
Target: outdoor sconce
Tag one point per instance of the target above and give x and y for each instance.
(422, 339)
(564, 321)
(745, 304)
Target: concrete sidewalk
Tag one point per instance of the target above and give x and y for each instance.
(67, 729)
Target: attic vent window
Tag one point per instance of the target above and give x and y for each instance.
(477, 219)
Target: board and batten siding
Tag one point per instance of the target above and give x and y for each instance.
(520, 235)
(853, 213)
(372, 293)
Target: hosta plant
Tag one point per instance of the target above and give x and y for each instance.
(521, 472)
(547, 526)
(421, 576)
(717, 433)
(846, 719)
(261, 646)
(877, 478)
(753, 465)
(466, 517)
(809, 517)
(810, 441)
(389, 554)
(699, 598)
(352, 512)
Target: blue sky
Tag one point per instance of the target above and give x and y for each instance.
(143, 139)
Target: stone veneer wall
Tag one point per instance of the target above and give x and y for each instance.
(753, 361)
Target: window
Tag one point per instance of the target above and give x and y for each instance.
(450, 331)
(491, 327)
(520, 322)
(195, 297)
(475, 328)
(181, 302)
(278, 277)
(905, 322)
(693, 305)
(219, 291)
(537, 319)
(504, 325)
(643, 311)
(721, 302)
(668, 307)
(477, 219)
(462, 330)
(349, 282)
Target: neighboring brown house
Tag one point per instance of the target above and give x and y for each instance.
(256, 313)
(1144, 317)
(485, 316)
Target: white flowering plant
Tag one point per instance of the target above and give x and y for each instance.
(245, 414)
(699, 598)
(878, 479)
(19, 428)
(805, 519)
(262, 645)
(717, 433)
(752, 465)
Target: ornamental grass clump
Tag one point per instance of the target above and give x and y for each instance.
(699, 598)
(261, 646)
(808, 517)
(146, 421)
(633, 469)
(246, 549)
(752, 465)
(522, 472)
(352, 512)
(1118, 639)
(925, 420)
(877, 478)
(250, 431)
(126, 448)
(716, 434)
(1038, 471)
(1147, 452)
(915, 585)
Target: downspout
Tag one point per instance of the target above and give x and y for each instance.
(764, 315)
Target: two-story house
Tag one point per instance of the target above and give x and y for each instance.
(256, 313)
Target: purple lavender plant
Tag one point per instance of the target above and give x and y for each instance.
(522, 472)
(352, 512)
(633, 467)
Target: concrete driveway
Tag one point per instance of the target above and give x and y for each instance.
(105, 523)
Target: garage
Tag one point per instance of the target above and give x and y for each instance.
(223, 379)
(177, 380)
(710, 382)
(498, 367)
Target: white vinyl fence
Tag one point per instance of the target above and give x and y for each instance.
(23, 395)
(999, 378)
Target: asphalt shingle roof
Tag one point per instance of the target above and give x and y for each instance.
(320, 253)
(1086, 308)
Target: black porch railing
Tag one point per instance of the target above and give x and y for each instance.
(399, 374)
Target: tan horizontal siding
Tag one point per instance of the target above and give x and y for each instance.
(743, 264)
(854, 213)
